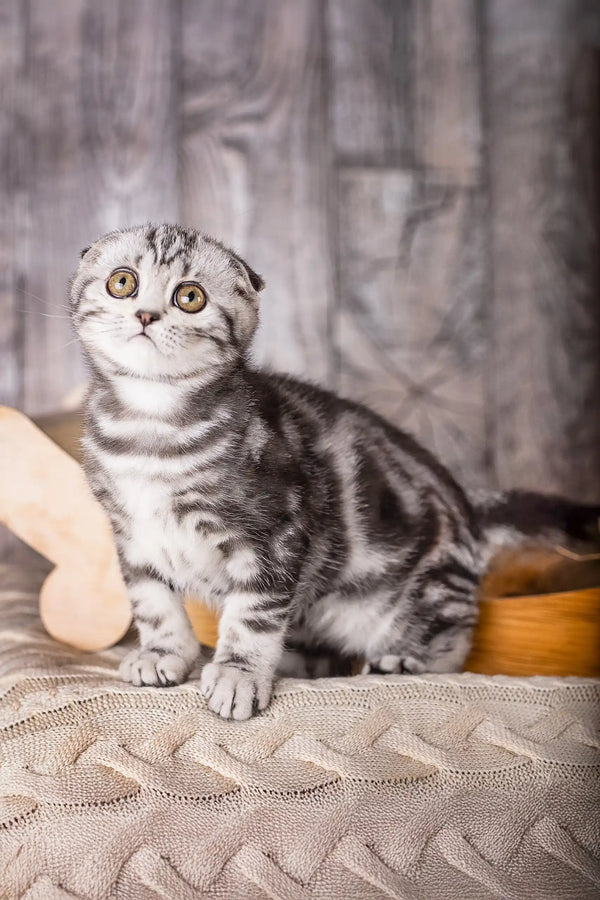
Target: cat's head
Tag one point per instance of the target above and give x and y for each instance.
(163, 302)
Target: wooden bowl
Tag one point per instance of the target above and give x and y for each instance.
(531, 624)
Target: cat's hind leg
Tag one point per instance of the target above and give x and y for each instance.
(302, 662)
(437, 636)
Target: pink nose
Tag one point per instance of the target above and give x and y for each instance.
(146, 317)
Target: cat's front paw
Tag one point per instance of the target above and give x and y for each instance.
(233, 693)
(152, 668)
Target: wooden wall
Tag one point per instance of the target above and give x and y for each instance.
(418, 181)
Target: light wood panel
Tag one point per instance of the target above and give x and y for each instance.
(543, 99)
(413, 271)
(411, 335)
(449, 129)
(371, 80)
(11, 62)
(53, 208)
(256, 162)
(97, 125)
(129, 94)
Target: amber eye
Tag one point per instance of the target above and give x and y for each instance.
(189, 297)
(122, 283)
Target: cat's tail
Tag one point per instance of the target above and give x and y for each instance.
(516, 517)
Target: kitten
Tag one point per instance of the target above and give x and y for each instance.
(306, 519)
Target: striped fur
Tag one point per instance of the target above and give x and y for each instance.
(306, 519)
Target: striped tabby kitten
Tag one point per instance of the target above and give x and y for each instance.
(307, 520)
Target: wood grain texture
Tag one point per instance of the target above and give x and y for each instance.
(14, 161)
(11, 332)
(99, 125)
(130, 76)
(255, 162)
(410, 324)
(53, 208)
(370, 52)
(553, 634)
(448, 129)
(46, 499)
(411, 335)
(543, 98)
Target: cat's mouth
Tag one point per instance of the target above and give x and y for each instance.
(141, 334)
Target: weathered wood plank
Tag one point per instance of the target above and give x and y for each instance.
(255, 164)
(93, 146)
(100, 129)
(411, 329)
(370, 52)
(410, 321)
(52, 205)
(12, 41)
(543, 99)
(448, 128)
(130, 74)
(12, 49)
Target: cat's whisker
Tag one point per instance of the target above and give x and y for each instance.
(38, 312)
(108, 330)
(41, 300)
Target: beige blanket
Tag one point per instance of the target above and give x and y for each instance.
(402, 787)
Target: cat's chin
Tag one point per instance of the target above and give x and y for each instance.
(139, 357)
(140, 354)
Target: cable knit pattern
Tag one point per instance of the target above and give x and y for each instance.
(371, 787)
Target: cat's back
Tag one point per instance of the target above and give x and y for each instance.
(317, 420)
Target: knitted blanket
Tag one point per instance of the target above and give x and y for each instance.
(367, 787)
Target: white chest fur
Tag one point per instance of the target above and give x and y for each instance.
(158, 537)
(148, 397)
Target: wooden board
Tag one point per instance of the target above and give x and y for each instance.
(11, 45)
(448, 127)
(543, 98)
(411, 333)
(411, 337)
(94, 143)
(255, 163)
(46, 501)
(371, 83)
(12, 29)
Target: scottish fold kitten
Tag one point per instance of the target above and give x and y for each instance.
(307, 520)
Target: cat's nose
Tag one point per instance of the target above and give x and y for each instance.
(147, 317)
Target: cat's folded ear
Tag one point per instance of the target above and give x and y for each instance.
(84, 251)
(256, 280)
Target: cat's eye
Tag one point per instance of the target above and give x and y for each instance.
(189, 297)
(122, 283)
